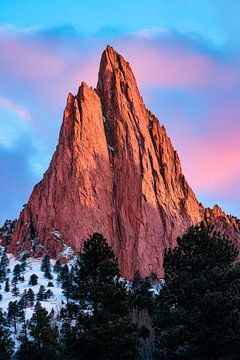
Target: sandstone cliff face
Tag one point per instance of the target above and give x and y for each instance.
(151, 200)
(114, 171)
(226, 224)
(74, 196)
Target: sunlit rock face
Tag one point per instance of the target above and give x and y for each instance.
(114, 171)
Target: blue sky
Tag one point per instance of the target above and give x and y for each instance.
(185, 56)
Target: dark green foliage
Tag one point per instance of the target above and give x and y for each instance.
(6, 343)
(65, 278)
(41, 293)
(103, 327)
(198, 313)
(23, 263)
(141, 297)
(46, 267)
(15, 289)
(3, 266)
(12, 314)
(33, 280)
(43, 341)
(57, 267)
(31, 297)
(23, 302)
(48, 294)
(16, 273)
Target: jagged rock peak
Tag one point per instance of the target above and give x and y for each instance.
(115, 172)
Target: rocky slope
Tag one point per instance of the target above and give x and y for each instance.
(114, 171)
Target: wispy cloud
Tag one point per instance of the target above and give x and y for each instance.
(17, 109)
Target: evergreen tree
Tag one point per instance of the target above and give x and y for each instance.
(6, 343)
(15, 289)
(33, 280)
(17, 272)
(48, 294)
(198, 310)
(7, 288)
(3, 266)
(65, 277)
(44, 338)
(13, 314)
(57, 267)
(23, 302)
(41, 293)
(26, 349)
(31, 297)
(103, 328)
(46, 267)
(23, 263)
(140, 296)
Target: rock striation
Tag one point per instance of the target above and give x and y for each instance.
(114, 171)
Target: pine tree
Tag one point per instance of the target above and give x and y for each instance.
(26, 349)
(141, 297)
(44, 338)
(16, 273)
(198, 310)
(15, 289)
(65, 278)
(23, 263)
(57, 267)
(48, 294)
(41, 293)
(13, 314)
(3, 266)
(7, 288)
(46, 267)
(31, 297)
(6, 343)
(23, 302)
(103, 329)
(33, 280)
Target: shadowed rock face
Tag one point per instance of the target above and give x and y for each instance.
(114, 171)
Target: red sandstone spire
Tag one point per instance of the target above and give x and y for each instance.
(114, 171)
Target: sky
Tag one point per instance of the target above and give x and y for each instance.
(185, 56)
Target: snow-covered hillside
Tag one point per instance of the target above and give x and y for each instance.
(33, 266)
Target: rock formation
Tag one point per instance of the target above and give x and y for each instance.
(114, 171)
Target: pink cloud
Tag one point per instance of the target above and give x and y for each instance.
(211, 160)
(156, 64)
(21, 111)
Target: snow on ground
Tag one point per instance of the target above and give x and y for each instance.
(33, 267)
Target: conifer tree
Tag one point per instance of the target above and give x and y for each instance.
(57, 267)
(31, 297)
(46, 267)
(103, 328)
(33, 280)
(15, 289)
(198, 309)
(6, 343)
(17, 272)
(65, 278)
(3, 266)
(13, 314)
(41, 293)
(44, 338)
(7, 288)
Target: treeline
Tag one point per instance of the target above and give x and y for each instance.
(195, 315)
